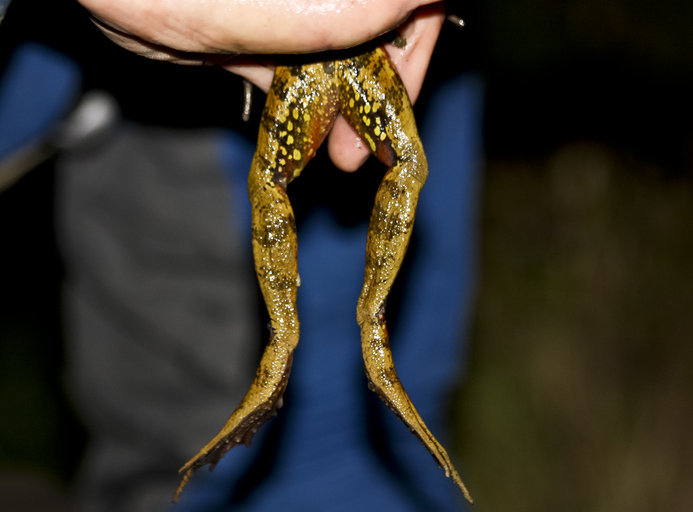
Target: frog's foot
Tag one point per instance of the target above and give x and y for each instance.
(260, 403)
(383, 379)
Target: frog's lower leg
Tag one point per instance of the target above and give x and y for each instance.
(379, 110)
(388, 233)
(298, 114)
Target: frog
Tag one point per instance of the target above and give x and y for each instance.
(302, 104)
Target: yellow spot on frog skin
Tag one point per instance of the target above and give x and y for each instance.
(376, 130)
(383, 135)
(290, 139)
(297, 154)
(367, 121)
(351, 102)
(282, 162)
(361, 109)
(282, 133)
(289, 125)
(283, 150)
(371, 142)
(367, 108)
(295, 114)
(306, 117)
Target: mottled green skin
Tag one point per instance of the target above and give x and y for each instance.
(302, 104)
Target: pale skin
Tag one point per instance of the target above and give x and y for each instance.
(241, 35)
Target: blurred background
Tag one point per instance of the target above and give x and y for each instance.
(581, 373)
(578, 389)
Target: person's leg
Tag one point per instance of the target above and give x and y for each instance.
(161, 307)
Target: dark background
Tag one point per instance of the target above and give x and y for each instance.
(577, 395)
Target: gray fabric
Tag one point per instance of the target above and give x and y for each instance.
(160, 308)
(4, 4)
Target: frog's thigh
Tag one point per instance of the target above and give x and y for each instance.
(374, 101)
(300, 110)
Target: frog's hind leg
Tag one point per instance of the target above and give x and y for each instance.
(380, 111)
(299, 111)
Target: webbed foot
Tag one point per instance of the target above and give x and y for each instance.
(383, 379)
(260, 404)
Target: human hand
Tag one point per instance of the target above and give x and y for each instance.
(215, 31)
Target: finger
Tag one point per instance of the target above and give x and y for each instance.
(256, 72)
(346, 149)
(151, 50)
(420, 34)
